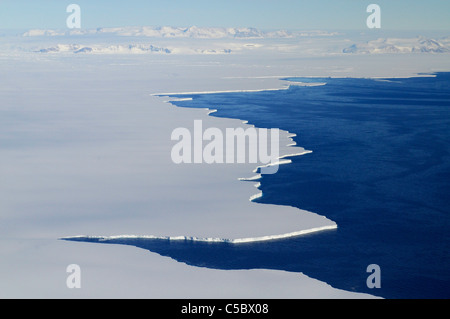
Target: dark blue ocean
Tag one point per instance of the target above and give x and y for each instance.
(380, 169)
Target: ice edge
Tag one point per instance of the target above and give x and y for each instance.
(257, 170)
(207, 239)
(281, 159)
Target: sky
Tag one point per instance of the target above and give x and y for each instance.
(262, 14)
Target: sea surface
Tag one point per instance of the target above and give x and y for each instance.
(380, 168)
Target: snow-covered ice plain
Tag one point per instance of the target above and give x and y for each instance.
(85, 150)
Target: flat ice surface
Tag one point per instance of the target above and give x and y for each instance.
(85, 150)
(91, 147)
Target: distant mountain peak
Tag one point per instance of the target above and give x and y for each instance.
(180, 32)
(399, 45)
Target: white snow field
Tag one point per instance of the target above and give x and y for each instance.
(85, 150)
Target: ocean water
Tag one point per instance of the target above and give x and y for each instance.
(380, 169)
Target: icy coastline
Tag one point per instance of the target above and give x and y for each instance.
(86, 150)
(81, 176)
(212, 240)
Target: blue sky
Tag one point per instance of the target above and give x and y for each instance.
(263, 14)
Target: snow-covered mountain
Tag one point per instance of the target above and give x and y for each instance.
(181, 32)
(77, 48)
(128, 49)
(116, 40)
(397, 45)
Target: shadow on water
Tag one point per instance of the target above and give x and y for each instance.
(298, 254)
